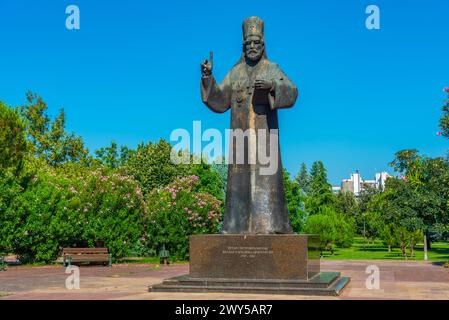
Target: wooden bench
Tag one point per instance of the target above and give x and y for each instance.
(77, 255)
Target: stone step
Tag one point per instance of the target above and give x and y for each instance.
(323, 280)
(333, 287)
(257, 290)
(340, 284)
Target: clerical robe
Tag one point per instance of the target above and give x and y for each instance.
(255, 202)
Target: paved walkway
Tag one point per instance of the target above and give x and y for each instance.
(398, 280)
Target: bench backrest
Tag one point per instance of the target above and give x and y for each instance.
(74, 251)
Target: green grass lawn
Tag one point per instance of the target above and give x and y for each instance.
(439, 252)
(371, 251)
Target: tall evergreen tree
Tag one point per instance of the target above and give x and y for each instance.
(320, 189)
(303, 178)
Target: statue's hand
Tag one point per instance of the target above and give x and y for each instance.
(263, 84)
(206, 67)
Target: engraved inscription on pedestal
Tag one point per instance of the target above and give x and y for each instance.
(253, 256)
(247, 252)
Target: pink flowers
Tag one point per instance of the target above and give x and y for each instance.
(199, 209)
(446, 89)
(439, 133)
(173, 192)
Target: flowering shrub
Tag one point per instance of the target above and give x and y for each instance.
(91, 208)
(9, 190)
(113, 207)
(177, 211)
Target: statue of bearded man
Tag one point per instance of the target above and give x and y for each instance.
(254, 90)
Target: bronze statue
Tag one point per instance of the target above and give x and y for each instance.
(254, 89)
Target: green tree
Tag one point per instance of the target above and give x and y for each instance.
(108, 156)
(320, 189)
(303, 178)
(295, 198)
(112, 157)
(12, 139)
(48, 139)
(151, 166)
(387, 234)
(333, 228)
(373, 225)
(324, 226)
(399, 206)
(428, 181)
(369, 221)
(346, 203)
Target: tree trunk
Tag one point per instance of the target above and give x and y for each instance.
(425, 247)
(412, 251)
(389, 248)
(404, 251)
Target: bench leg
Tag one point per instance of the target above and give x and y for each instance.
(110, 260)
(3, 263)
(63, 261)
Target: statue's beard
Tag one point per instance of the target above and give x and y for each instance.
(253, 55)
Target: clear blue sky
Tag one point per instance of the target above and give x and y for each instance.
(131, 73)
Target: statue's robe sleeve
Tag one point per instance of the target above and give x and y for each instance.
(284, 93)
(216, 96)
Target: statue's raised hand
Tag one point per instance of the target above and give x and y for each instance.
(206, 66)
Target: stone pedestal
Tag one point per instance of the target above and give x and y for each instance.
(288, 257)
(287, 264)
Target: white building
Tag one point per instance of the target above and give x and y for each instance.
(380, 180)
(356, 184)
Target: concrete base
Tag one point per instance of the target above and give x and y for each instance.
(271, 256)
(273, 264)
(322, 284)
